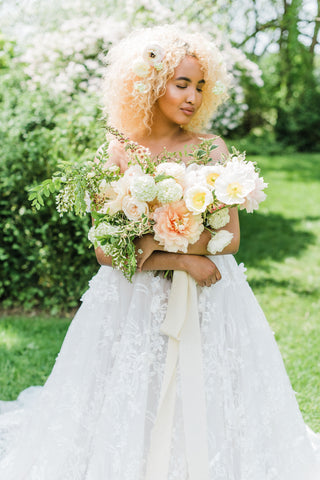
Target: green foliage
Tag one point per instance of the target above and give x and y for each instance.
(298, 125)
(45, 260)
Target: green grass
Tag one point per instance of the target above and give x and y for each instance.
(280, 248)
(28, 348)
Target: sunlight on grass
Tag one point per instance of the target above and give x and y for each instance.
(10, 339)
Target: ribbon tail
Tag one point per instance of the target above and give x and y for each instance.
(193, 393)
(182, 326)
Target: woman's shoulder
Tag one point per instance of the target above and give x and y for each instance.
(113, 153)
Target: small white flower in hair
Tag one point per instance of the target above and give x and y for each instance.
(154, 54)
(140, 87)
(141, 68)
(219, 88)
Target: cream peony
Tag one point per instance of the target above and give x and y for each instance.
(176, 227)
(219, 241)
(197, 198)
(133, 208)
(219, 219)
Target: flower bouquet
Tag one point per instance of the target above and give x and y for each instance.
(163, 196)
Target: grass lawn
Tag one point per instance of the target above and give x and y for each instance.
(280, 248)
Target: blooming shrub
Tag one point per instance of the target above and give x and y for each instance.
(49, 98)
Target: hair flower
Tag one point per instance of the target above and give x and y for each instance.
(154, 55)
(141, 68)
(141, 87)
(219, 88)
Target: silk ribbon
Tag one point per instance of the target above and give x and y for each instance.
(184, 346)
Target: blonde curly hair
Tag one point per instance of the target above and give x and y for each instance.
(129, 97)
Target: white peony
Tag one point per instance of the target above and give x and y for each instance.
(235, 182)
(144, 188)
(256, 196)
(172, 169)
(133, 208)
(219, 219)
(193, 175)
(197, 198)
(219, 241)
(169, 191)
(209, 174)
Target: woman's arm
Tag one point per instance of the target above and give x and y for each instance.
(146, 245)
(201, 268)
(195, 262)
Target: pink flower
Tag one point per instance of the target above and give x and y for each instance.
(176, 227)
(256, 196)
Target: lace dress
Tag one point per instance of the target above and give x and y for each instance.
(93, 418)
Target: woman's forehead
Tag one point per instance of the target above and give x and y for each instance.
(189, 68)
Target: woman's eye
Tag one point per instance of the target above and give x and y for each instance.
(181, 86)
(199, 90)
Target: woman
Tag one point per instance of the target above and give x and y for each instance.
(99, 414)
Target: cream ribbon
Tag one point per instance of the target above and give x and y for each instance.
(182, 326)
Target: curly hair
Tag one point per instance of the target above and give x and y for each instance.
(129, 97)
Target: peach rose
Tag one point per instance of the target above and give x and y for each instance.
(176, 227)
(134, 208)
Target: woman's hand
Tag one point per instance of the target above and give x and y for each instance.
(201, 269)
(145, 246)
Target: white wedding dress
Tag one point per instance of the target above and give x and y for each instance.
(93, 418)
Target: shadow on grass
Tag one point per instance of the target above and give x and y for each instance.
(285, 285)
(271, 236)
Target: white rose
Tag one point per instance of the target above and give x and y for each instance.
(219, 219)
(219, 241)
(133, 208)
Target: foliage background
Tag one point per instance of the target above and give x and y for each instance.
(51, 63)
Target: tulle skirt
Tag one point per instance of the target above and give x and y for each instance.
(93, 418)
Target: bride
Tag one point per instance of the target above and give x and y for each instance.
(103, 413)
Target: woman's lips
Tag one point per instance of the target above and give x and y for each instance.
(187, 111)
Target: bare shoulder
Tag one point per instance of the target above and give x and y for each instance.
(221, 149)
(115, 153)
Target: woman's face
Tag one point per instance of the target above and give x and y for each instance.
(183, 95)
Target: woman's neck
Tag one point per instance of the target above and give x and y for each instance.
(170, 139)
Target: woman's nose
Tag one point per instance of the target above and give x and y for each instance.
(191, 97)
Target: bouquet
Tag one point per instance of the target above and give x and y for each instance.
(163, 196)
